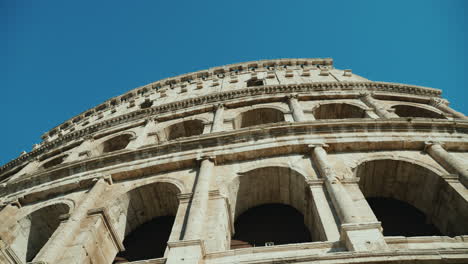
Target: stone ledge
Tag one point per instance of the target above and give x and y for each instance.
(221, 97)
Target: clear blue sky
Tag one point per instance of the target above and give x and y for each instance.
(59, 58)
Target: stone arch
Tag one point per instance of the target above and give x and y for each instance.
(277, 187)
(34, 229)
(338, 111)
(410, 110)
(417, 185)
(145, 210)
(259, 116)
(378, 156)
(184, 128)
(54, 161)
(116, 142)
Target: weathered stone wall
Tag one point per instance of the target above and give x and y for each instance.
(209, 146)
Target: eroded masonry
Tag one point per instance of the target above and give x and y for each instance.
(277, 161)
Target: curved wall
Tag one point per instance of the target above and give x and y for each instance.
(206, 149)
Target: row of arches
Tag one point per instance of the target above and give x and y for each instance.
(261, 116)
(270, 206)
(250, 118)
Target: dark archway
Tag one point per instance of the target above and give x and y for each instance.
(145, 218)
(276, 223)
(279, 193)
(413, 111)
(184, 129)
(116, 143)
(338, 111)
(149, 240)
(258, 116)
(419, 187)
(400, 218)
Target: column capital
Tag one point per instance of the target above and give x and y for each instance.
(429, 144)
(365, 94)
(292, 95)
(220, 105)
(211, 158)
(106, 177)
(315, 145)
(435, 101)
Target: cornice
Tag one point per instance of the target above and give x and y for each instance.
(230, 141)
(222, 97)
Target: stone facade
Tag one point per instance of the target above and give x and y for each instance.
(341, 166)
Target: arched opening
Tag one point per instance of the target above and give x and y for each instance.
(146, 104)
(404, 194)
(338, 111)
(116, 143)
(34, 230)
(254, 82)
(400, 218)
(54, 162)
(413, 111)
(265, 201)
(258, 116)
(145, 218)
(184, 129)
(270, 224)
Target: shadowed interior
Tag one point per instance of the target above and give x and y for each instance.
(401, 219)
(277, 223)
(338, 111)
(259, 116)
(184, 129)
(413, 111)
(404, 184)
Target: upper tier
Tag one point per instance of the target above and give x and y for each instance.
(214, 85)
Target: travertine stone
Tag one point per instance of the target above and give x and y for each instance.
(196, 218)
(296, 108)
(443, 105)
(218, 120)
(371, 102)
(437, 151)
(67, 231)
(291, 133)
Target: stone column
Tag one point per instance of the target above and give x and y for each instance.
(357, 235)
(443, 105)
(67, 231)
(199, 202)
(295, 107)
(190, 248)
(449, 162)
(370, 101)
(340, 198)
(218, 119)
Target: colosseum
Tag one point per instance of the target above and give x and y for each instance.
(275, 161)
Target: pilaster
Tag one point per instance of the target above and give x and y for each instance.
(449, 162)
(368, 99)
(295, 107)
(358, 236)
(67, 232)
(218, 118)
(443, 105)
